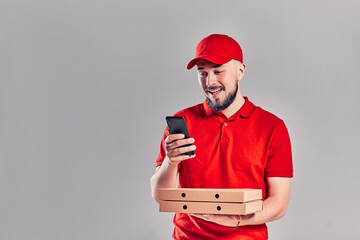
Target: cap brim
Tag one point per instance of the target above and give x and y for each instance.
(214, 59)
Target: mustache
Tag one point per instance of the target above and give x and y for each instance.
(209, 88)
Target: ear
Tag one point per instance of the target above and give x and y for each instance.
(241, 70)
(242, 67)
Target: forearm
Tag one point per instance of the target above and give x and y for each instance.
(164, 177)
(273, 209)
(274, 206)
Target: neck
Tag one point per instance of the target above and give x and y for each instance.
(235, 106)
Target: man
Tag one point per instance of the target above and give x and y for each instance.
(237, 145)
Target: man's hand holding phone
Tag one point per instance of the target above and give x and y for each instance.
(178, 144)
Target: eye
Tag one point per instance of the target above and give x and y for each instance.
(202, 74)
(218, 72)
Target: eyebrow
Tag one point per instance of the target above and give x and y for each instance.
(214, 66)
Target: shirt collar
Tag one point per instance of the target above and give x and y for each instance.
(245, 111)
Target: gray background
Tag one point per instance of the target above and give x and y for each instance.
(85, 86)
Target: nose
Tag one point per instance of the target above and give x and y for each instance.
(211, 79)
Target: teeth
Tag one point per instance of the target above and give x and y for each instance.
(215, 91)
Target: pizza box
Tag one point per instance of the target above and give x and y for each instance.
(211, 207)
(234, 195)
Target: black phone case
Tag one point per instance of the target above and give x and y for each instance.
(178, 125)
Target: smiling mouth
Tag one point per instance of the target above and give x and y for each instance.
(214, 90)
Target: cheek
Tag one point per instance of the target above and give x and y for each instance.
(229, 81)
(202, 82)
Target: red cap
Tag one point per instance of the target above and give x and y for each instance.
(218, 49)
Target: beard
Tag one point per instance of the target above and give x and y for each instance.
(219, 106)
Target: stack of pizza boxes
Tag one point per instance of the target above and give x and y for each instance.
(210, 201)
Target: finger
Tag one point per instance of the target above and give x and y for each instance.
(209, 217)
(178, 151)
(174, 137)
(198, 215)
(182, 142)
(170, 146)
(178, 159)
(167, 132)
(181, 158)
(203, 217)
(179, 143)
(184, 146)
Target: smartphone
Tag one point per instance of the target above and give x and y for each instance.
(178, 125)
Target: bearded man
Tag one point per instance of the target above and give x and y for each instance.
(236, 144)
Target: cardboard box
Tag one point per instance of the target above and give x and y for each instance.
(210, 194)
(211, 207)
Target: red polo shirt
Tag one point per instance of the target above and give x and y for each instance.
(236, 152)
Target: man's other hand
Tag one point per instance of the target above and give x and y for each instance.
(225, 220)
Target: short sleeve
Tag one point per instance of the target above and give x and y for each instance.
(279, 162)
(162, 152)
